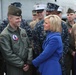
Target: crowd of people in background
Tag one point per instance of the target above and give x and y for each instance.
(45, 46)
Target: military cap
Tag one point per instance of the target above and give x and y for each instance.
(60, 9)
(51, 7)
(70, 10)
(39, 6)
(17, 4)
(13, 10)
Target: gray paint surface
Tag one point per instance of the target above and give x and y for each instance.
(27, 6)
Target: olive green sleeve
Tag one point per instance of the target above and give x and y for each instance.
(7, 52)
(72, 41)
(30, 52)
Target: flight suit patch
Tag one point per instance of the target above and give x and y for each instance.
(15, 38)
(23, 35)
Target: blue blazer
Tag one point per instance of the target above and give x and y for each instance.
(48, 60)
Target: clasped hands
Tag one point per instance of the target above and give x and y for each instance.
(26, 67)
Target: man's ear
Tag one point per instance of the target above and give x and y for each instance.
(9, 17)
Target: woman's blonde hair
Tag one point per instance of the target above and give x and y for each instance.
(55, 23)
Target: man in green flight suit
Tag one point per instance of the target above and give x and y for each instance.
(14, 44)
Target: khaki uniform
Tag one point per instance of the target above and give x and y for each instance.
(73, 33)
(14, 46)
(69, 57)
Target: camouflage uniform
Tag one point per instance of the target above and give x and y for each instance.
(65, 40)
(39, 35)
(3, 25)
(37, 41)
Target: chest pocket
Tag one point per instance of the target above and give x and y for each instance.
(25, 40)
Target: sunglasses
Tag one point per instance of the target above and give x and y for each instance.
(40, 11)
(34, 15)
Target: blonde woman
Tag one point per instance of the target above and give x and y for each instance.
(48, 61)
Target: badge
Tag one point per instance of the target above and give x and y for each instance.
(15, 37)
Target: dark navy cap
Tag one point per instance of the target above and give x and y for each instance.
(17, 4)
(51, 7)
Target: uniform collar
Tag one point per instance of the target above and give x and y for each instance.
(11, 29)
(69, 23)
